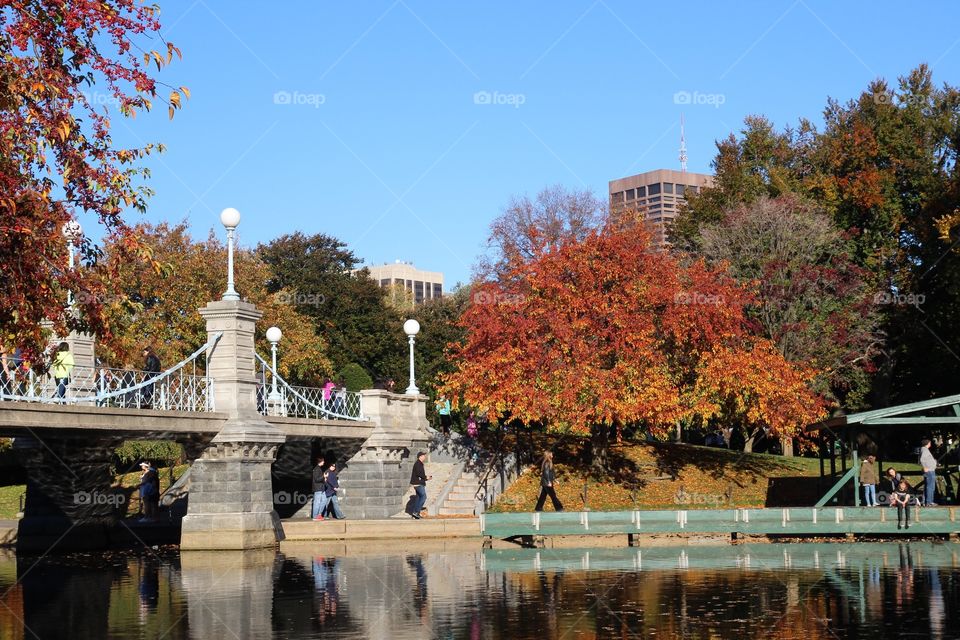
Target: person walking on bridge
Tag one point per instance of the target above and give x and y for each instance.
(151, 366)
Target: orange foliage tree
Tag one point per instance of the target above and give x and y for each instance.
(159, 307)
(607, 332)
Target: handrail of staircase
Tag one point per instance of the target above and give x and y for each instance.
(116, 393)
(288, 388)
(497, 456)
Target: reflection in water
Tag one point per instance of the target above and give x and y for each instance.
(807, 591)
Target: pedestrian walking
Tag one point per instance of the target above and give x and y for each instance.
(869, 479)
(929, 465)
(61, 368)
(319, 486)
(151, 366)
(149, 492)
(418, 478)
(332, 487)
(548, 479)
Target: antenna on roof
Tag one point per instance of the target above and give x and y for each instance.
(683, 148)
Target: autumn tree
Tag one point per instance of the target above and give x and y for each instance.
(606, 332)
(527, 228)
(812, 302)
(891, 160)
(58, 163)
(884, 169)
(159, 307)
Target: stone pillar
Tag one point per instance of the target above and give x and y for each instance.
(376, 481)
(231, 496)
(70, 501)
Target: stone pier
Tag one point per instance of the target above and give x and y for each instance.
(231, 496)
(376, 481)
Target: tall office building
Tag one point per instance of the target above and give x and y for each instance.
(655, 196)
(423, 285)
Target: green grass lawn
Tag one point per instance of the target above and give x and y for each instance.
(663, 476)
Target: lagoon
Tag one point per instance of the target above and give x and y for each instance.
(459, 590)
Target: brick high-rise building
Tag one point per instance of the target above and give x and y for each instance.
(656, 196)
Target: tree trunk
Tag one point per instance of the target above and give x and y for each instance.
(599, 447)
(787, 445)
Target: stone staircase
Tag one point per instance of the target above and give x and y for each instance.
(461, 500)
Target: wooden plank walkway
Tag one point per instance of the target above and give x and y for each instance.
(825, 521)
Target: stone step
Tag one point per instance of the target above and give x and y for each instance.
(459, 503)
(448, 511)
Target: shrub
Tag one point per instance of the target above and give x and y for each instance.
(354, 377)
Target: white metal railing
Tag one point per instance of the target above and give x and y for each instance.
(303, 402)
(179, 388)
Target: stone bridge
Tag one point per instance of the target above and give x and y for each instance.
(238, 456)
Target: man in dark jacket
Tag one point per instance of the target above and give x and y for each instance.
(333, 485)
(418, 478)
(151, 367)
(319, 487)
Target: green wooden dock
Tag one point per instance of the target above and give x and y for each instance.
(800, 521)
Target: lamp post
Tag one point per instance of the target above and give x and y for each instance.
(411, 327)
(230, 218)
(273, 336)
(72, 231)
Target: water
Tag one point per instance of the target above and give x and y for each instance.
(457, 590)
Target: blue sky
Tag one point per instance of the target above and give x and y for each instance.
(404, 127)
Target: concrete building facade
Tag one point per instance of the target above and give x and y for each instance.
(656, 196)
(422, 285)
